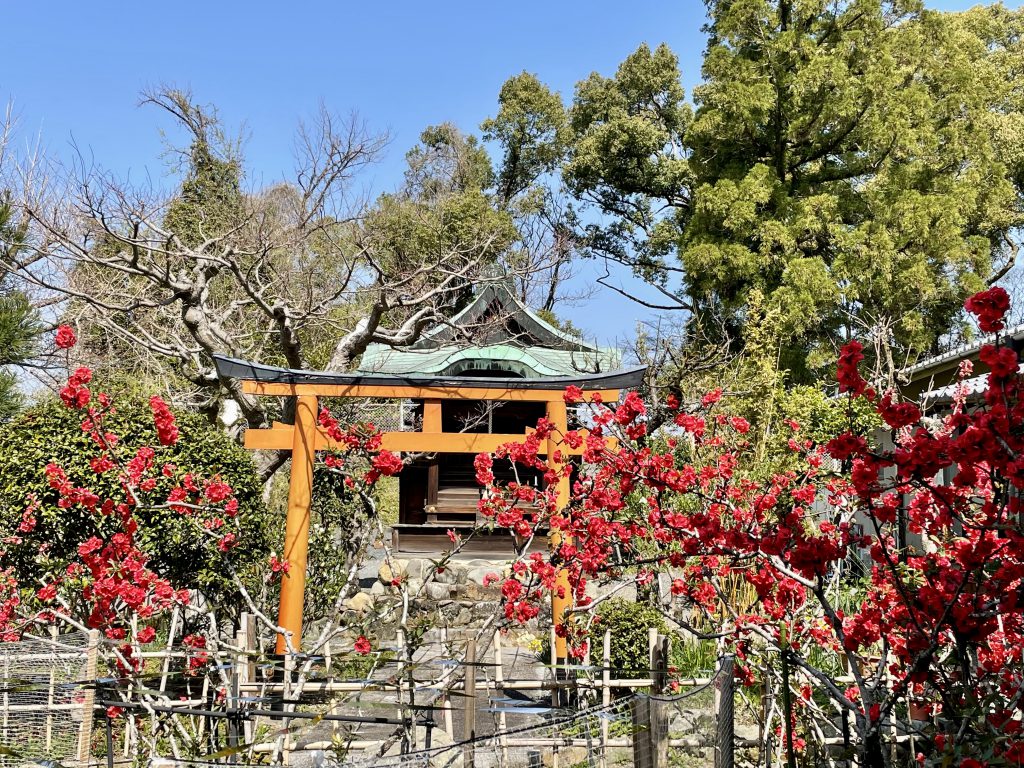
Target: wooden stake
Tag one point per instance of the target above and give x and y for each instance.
(724, 715)
(296, 537)
(658, 706)
(89, 699)
(499, 687)
(640, 710)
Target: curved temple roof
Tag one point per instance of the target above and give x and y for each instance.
(496, 327)
(627, 378)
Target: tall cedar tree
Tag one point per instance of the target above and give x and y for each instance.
(855, 167)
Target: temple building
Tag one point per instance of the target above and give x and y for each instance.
(495, 337)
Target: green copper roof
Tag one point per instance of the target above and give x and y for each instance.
(535, 349)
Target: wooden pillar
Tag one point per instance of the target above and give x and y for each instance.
(558, 417)
(296, 536)
(432, 424)
(433, 483)
(431, 415)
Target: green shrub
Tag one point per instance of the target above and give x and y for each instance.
(629, 623)
(50, 433)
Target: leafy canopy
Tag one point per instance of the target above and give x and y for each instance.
(856, 163)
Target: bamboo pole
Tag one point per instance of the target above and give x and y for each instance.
(469, 713)
(606, 692)
(508, 685)
(6, 701)
(172, 630)
(446, 712)
(50, 690)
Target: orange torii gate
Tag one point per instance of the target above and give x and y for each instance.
(305, 437)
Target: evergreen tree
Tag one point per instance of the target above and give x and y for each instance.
(19, 322)
(855, 165)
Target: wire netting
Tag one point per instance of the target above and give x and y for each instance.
(562, 715)
(42, 701)
(595, 736)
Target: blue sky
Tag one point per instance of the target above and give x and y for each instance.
(74, 72)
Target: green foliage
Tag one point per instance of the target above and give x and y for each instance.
(405, 231)
(210, 201)
(628, 131)
(768, 397)
(856, 164)
(50, 433)
(19, 321)
(565, 324)
(337, 520)
(446, 162)
(628, 622)
(532, 131)
(698, 658)
(443, 208)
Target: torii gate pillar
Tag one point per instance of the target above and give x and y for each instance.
(560, 604)
(296, 532)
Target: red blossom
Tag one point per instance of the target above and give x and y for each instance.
(75, 394)
(1002, 361)
(66, 338)
(163, 420)
(711, 398)
(573, 394)
(847, 373)
(990, 307)
(216, 490)
(47, 593)
(146, 635)
(483, 464)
